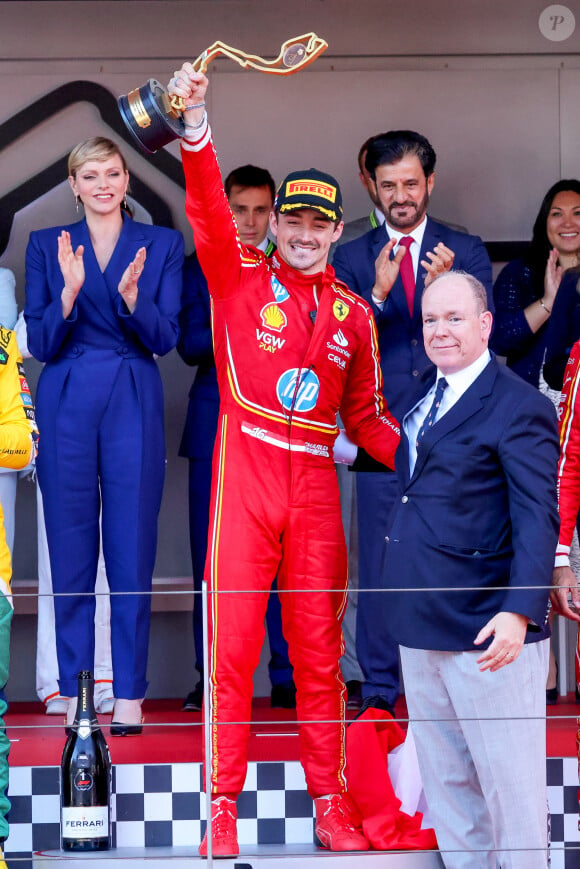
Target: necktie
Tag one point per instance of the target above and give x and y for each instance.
(407, 272)
(430, 418)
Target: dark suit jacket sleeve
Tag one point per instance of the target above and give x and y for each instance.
(345, 272)
(46, 327)
(513, 291)
(561, 331)
(195, 344)
(363, 410)
(475, 261)
(528, 452)
(155, 319)
(354, 263)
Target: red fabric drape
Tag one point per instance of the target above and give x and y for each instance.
(370, 790)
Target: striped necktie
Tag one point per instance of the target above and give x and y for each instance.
(430, 418)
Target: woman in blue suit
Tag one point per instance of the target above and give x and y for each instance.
(102, 297)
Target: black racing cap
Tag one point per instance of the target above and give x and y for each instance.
(310, 188)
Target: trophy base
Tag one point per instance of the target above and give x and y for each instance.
(149, 117)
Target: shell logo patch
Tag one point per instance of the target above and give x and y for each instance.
(340, 310)
(273, 317)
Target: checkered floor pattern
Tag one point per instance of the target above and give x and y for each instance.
(162, 805)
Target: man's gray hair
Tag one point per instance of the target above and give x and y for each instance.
(477, 288)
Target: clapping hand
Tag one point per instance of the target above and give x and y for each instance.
(441, 260)
(387, 270)
(73, 271)
(128, 288)
(552, 278)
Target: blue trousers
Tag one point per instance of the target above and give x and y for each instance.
(103, 443)
(377, 653)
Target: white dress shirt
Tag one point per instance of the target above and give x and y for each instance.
(457, 383)
(414, 249)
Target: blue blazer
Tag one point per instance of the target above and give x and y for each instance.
(153, 326)
(195, 346)
(403, 357)
(479, 514)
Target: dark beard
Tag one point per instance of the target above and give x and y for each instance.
(414, 218)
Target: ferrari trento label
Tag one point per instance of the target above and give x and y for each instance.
(85, 822)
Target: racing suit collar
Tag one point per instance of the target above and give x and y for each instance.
(289, 276)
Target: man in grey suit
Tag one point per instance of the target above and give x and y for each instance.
(468, 563)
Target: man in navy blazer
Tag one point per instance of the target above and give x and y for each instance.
(468, 562)
(250, 191)
(401, 164)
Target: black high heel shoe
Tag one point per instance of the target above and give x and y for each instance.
(552, 693)
(130, 710)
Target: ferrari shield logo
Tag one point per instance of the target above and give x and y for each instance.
(340, 310)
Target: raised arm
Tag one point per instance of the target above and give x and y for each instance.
(221, 254)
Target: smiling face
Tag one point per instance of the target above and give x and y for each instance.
(251, 206)
(563, 224)
(455, 328)
(403, 192)
(304, 237)
(101, 185)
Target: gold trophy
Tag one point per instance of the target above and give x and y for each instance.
(154, 118)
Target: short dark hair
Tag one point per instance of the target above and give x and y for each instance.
(364, 148)
(249, 176)
(395, 145)
(540, 246)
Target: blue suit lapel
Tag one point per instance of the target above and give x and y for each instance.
(100, 288)
(468, 405)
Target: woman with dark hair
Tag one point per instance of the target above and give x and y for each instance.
(526, 289)
(102, 299)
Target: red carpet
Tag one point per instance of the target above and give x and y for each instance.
(172, 736)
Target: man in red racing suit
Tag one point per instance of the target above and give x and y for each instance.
(564, 580)
(293, 346)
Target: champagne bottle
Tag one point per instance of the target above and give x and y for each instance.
(85, 775)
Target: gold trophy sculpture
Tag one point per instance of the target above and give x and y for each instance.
(154, 118)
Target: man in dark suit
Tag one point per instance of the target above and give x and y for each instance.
(470, 550)
(391, 278)
(250, 191)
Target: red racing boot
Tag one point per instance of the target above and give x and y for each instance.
(224, 815)
(334, 827)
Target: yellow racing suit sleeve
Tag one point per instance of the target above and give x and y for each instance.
(18, 431)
